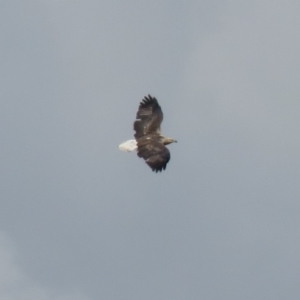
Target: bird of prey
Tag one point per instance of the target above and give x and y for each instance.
(149, 142)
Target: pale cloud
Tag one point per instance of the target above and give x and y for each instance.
(15, 284)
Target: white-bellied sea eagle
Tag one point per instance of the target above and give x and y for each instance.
(149, 142)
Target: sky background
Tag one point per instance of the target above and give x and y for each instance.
(81, 220)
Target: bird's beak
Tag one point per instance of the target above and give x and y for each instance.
(175, 141)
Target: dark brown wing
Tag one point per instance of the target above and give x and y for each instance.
(148, 117)
(155, 154)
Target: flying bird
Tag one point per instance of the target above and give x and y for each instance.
(149, 142)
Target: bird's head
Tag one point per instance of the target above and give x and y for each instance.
(168, 141)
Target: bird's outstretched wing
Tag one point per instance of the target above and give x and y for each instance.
(148, 118)
(154, 152)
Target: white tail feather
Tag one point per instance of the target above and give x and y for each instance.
(128, 146)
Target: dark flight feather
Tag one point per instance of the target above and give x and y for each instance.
(153, 151)
(148, 117)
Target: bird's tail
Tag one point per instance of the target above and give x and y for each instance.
(128, 146)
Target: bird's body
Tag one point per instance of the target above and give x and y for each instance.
(149, 142)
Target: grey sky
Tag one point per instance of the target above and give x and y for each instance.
(81, 220)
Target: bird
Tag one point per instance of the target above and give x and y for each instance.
(149, 143)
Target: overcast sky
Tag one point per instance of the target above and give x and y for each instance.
(80, 220)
